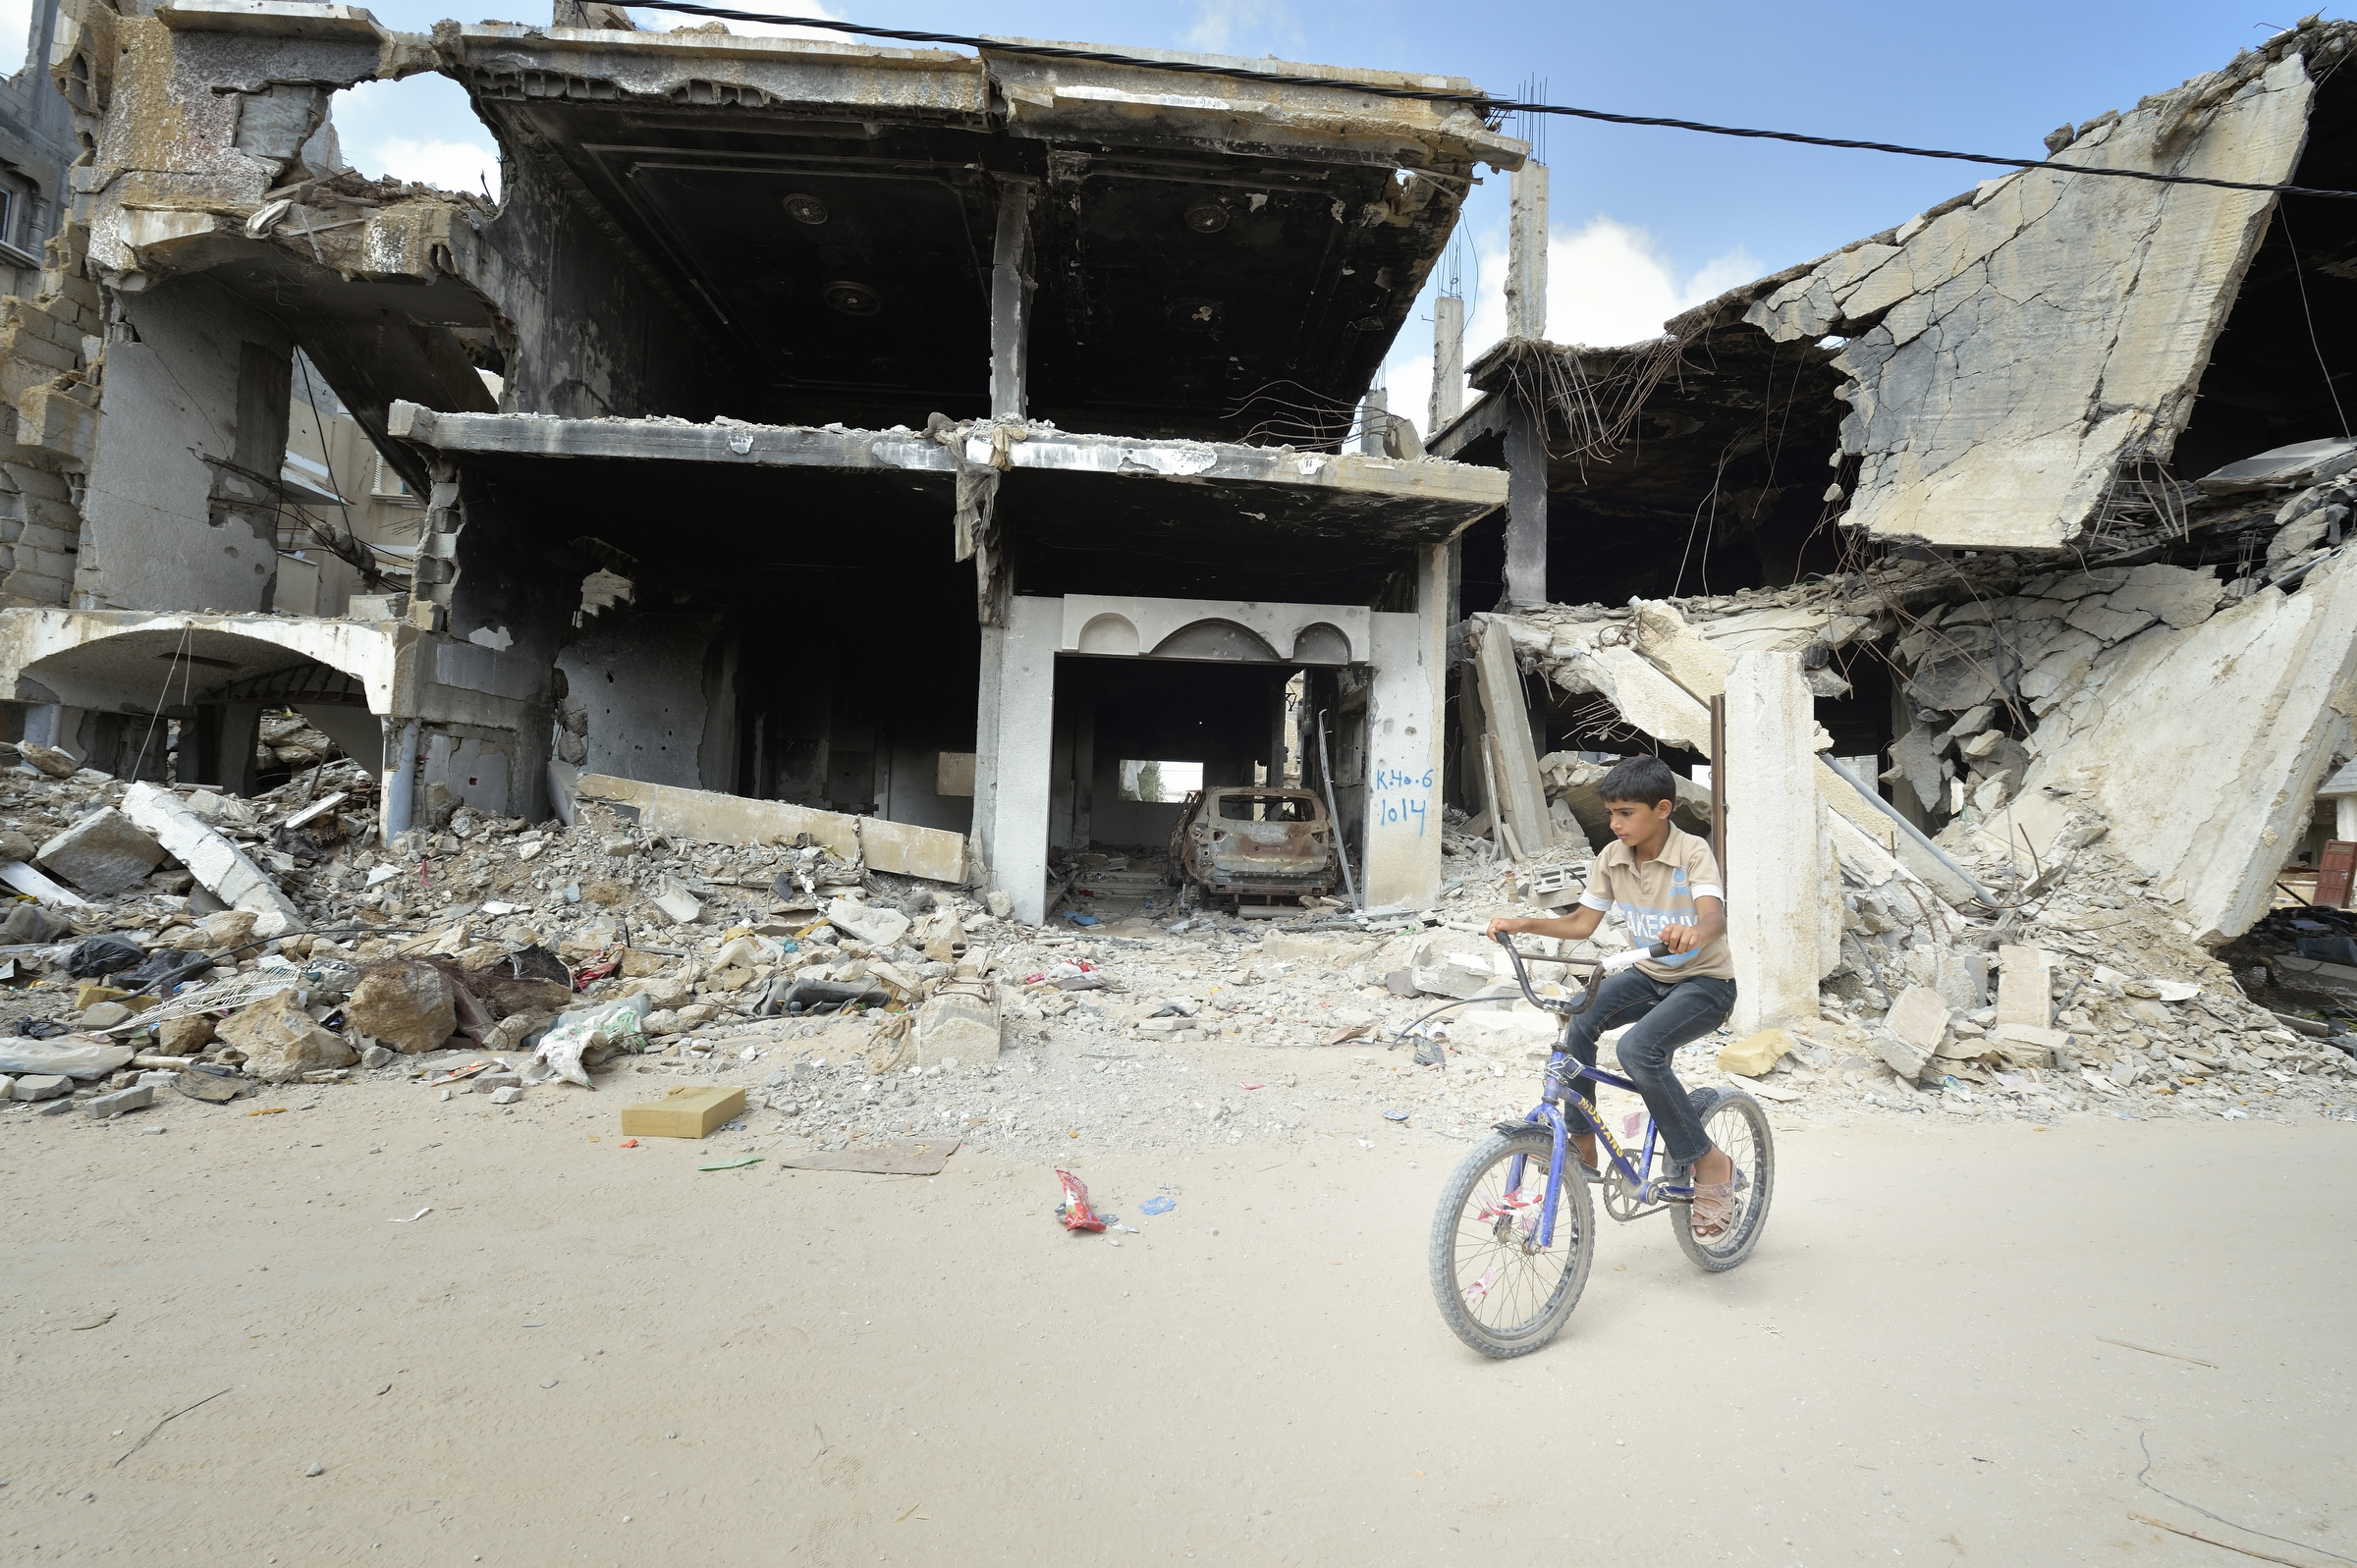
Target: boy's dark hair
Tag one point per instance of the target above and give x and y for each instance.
(1644, 780)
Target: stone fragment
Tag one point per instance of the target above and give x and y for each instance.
(282, 1042)
(1916, 1024)
(2027, 1045)
(102, 854)
(375, 1056)
(2100, 620)
(1756, 1054)
(404, 1003)
(15, 845)
(2024, 987)
(184, 1037)
(137, 1097)
(48, 759)
(1002, 904)
(40, 1086)
(506, 1095)
(872, 924)
(105, 1015)
(958, 1025)
(2180, 596)
(227, 928)
(217, 863)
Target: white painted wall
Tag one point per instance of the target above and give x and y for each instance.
(1016, 732)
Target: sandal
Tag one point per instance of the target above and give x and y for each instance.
(1714, 1207)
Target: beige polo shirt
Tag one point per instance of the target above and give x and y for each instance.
(1662, 892)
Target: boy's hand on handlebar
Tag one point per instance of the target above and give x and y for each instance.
(1677, 938)
(1507, 925)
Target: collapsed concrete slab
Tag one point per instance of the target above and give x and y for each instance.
(211, 858)
(700, 814)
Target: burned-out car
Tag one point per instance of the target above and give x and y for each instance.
(1252, 843)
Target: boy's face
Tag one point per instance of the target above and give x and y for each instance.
(1636, 823)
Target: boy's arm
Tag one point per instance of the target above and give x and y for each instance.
(1579, 923)
(1710, 924)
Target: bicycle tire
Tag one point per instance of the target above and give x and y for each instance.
(1738, 1125)
(1452, 1229)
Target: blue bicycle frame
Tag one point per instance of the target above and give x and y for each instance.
(1547, 1112)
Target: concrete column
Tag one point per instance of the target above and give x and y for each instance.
(1448, 362)
(984, 824)
(1375, 422)
(2345, 818)
(1016, 751)
(1011, 285)
(1406, 725)
(400, 778)
(1526, 253)
(1525, 504)
(1775, 870)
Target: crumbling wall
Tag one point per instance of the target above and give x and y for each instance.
(2011, 349)
(181, 508)
(657, 696)
(47, 386)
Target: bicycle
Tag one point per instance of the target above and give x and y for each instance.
(1510, 1255)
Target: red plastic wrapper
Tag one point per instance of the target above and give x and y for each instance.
(1075, 1213)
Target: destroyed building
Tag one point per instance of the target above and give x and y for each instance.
(893, 433)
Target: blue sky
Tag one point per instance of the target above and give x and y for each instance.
(1645, 222)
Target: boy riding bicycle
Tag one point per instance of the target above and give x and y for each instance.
(1665, 885)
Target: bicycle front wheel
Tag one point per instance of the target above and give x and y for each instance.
(1738, 1125)
(1499, 1290)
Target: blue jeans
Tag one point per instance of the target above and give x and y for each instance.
(1669, 1013)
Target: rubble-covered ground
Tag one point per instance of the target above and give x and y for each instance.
(1139, 1030)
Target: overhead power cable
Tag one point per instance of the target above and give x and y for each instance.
(1480, 102)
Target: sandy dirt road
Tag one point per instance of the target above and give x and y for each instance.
(591, 1355)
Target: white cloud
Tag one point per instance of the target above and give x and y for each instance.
(16, 35)
(1219, 21)
(1608, 284)
(444, 165)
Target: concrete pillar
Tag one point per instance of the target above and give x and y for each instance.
(1525, 504)
(1406, 725)
(1375, 422)
(1774, 855)
(1448, 362)
(400, 777)
(1526, 253)
(1011, 285)
(1015, 750)
(2345, 818)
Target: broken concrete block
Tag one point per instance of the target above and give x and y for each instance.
(405, 1004)
(1919, 1018)
(282, 1042)
(1002, 904)
(872, 924)
(15, 845)
(42, 1085)
(2180, 596)
(2024, 987)
(105, 1015)
(226, 928)
(679, 906)
(2027, 1045)
(898, 847)
(1756, 1054)
(958, 1025)
(2283, 465)
(136, 1098)
(506, 1095)
(217, 863)
(102, 854)
(2098, 619)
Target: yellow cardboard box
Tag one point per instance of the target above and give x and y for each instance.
(687, 1111)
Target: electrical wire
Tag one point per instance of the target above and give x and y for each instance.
(1481, 103)
(2142, 1476)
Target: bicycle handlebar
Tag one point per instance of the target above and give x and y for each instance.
(1612, 963)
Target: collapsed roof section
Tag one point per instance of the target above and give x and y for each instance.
(2012, 351)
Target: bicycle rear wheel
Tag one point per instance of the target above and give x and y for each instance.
(1738, 1125)
(1498, 1291)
